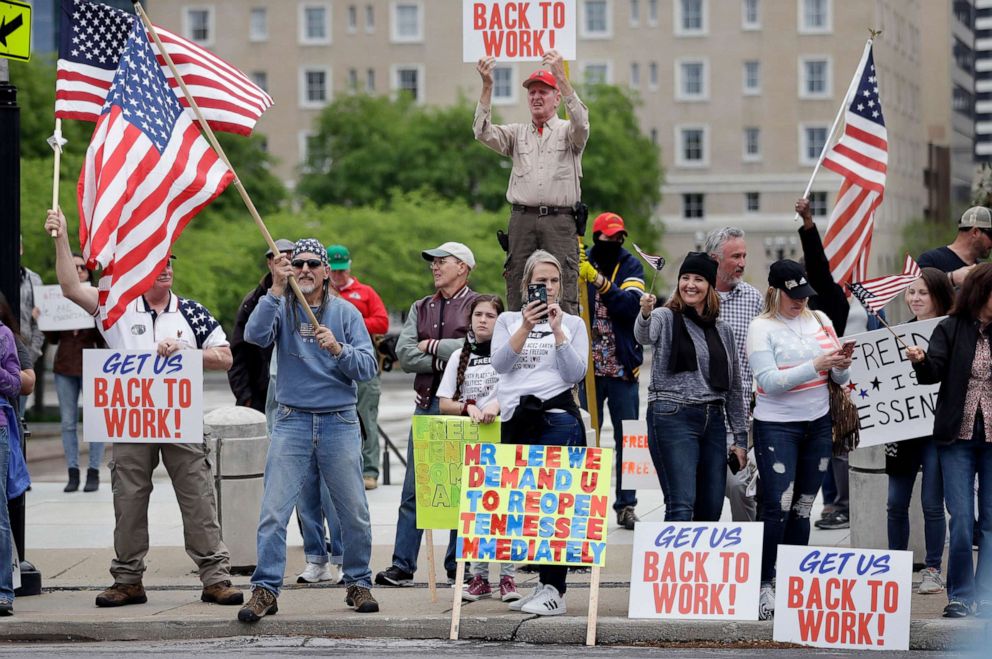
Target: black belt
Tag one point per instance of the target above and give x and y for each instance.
(544, 210)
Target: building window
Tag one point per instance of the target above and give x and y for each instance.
(595, 19)
(751, 14)
(690, 17)
(963, 11)
(369, 18)
(693, 207)
(635, 13)
(815, 78)
(352, 19)
(409, 79)
(752, 143)
(963, 101)
(814, 138)
(691, 84)
(818, 204)
(258, 28)
(200, 25)
(814, 16)
(652, 12)
(261, 79)
(963, 55)
(752, 202)
(370, 81)
(596, 74)
(353, 80)
(653, 75)
(654, 136)
(504, 91)
(408, 23)
(315, 24)
(692, 151)
(635, 74)
(752, 77)
(316, 89)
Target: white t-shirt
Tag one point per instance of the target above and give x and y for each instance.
(185, 320)
(479, 383)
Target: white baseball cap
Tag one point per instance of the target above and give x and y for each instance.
(458, 250)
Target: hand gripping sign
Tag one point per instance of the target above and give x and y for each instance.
(137, 396)
(518, 31)
(831, 597)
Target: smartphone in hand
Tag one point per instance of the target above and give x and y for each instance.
(538, 293)
(848, 348)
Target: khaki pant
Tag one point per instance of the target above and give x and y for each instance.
(131, 470)
(553, 233)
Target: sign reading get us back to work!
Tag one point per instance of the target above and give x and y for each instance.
(534, 504)
(438, 450)
(695, 571)
(136, 396)
(830, 597)
(518, 31)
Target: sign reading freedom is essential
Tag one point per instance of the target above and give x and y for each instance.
(438, 453)
(637, 469)
(695, 571)
(534, 504)
(518, 31)
(57, 312)
(831, 597)
(137, 396)
(892, 406)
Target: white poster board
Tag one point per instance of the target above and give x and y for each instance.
(518, 31)
(637, 468)
(834, 597)
(136, 396)
(892, 406)
(696, 570)
(57, 313)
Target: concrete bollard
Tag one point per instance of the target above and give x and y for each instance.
(239, 444)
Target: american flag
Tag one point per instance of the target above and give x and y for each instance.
(656, 262)
(876, 293)
(92, 38)
(147, 172)
(861, 157)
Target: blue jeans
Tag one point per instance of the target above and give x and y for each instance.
(960, 462)
(304, 443)
(932, 498)
(312, 508)
(623, 401)
(67, 387)
(689, 445)
(407, 544)
(792, 457)
(6, 540)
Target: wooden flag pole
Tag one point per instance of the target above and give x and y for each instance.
(431, 566)
(456, 603)
(223, 156)
(56, 142)
(593, 616)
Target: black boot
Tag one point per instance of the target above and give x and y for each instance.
(73, 484)
(92, 480)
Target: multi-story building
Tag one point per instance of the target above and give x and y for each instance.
(983, 80)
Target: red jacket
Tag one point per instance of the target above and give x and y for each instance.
(369, 304)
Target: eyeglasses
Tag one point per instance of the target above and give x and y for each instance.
(438, 262)
(313, 263)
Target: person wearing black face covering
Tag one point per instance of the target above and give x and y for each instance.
(695, 384)
(615, 278)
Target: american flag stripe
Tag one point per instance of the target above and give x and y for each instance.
(876, 293)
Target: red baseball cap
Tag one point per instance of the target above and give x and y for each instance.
(608, 224)
(541, 75)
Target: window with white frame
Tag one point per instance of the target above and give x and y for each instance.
(595, 19)
(635, 13)
(652, 12)
(653, 75)
(258, 24)
(814, 16)
(690, 17)
(353, 80)
(352, 19)
(504, 91)
(409, 79)
(690, 80)
(597, 73)
(315, 24)
(316, 87)
(369, 18)
(408, 22)
(815, 77)
(813, 139)
(370, 80)
(752, 202)
(752, 77)
(692, 148)
(309, 149)
(693, 205)
(751, 14)
(199, 24)
(635, 74)
(818, 204)
(752, 143)
(260, 78)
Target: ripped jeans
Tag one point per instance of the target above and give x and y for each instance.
(792, 458)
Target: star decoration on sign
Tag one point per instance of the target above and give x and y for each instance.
(852, 386)
(876, 385)
(863, 394)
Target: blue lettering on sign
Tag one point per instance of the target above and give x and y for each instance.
(715, 537)
(817, 562)
(119, 364)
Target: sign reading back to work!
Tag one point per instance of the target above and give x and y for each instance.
(534, 504)
(831, 597)
(138, 396)
(518, 31)
(637, 468)
(57, 312)
(695, 571)
(15, 30)
(892, 406)
(438, 450)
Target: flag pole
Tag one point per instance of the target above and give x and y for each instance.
(223, 156)
(56, 143)
(840, 113)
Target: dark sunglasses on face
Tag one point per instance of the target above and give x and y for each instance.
(313, 263)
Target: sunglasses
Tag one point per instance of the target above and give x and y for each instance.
(313, 263)
(80, 268)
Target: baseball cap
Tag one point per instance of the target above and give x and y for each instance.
(282, 245)
(541, 75)
(458, 250)
(790, 278)
(976, 216)
(608, 224)
(338, 257)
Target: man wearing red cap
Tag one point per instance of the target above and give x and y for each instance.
(547, 167)
(616, 283)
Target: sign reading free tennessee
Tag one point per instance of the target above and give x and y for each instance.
(518, 31)
(534, 504)
(138, 396)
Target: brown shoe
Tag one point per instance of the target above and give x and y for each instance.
(121, 594)
(261, 604)
(371, 483)
(222, 592)
(361, 600)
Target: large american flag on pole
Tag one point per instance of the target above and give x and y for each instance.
(874, 294)
(92, 38)
(861, 157)
(147, 172)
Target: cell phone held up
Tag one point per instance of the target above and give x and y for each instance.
(538, 293)
(848, 348)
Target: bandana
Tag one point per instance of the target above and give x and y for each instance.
(311, 245)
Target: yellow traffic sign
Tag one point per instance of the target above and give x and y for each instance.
(15, 30)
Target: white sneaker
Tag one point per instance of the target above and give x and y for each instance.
(932, 581)
(766, 602)
(548, 602)
(517, 605)
(317, 572)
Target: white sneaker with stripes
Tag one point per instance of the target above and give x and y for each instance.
(546, 603)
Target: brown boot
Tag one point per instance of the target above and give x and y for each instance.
(222, 592)
(361, 599)
(121, 594)
(262, 603)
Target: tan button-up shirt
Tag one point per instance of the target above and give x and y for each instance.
(547, 166)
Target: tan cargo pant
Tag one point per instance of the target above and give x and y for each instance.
(553, 233)
(131, 470)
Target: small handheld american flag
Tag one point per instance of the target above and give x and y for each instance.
(876, 293)
(656, 263)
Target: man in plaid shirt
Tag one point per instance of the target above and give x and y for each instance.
(739, 304)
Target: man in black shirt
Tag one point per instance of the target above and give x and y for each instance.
(972, 244)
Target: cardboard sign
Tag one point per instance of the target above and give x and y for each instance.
(438, 454)
(637, 468)
(518, 31)
(832, 597)
(695, 571)
(57, 313)
(891, 404)
(137, 396)
(534, 504)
